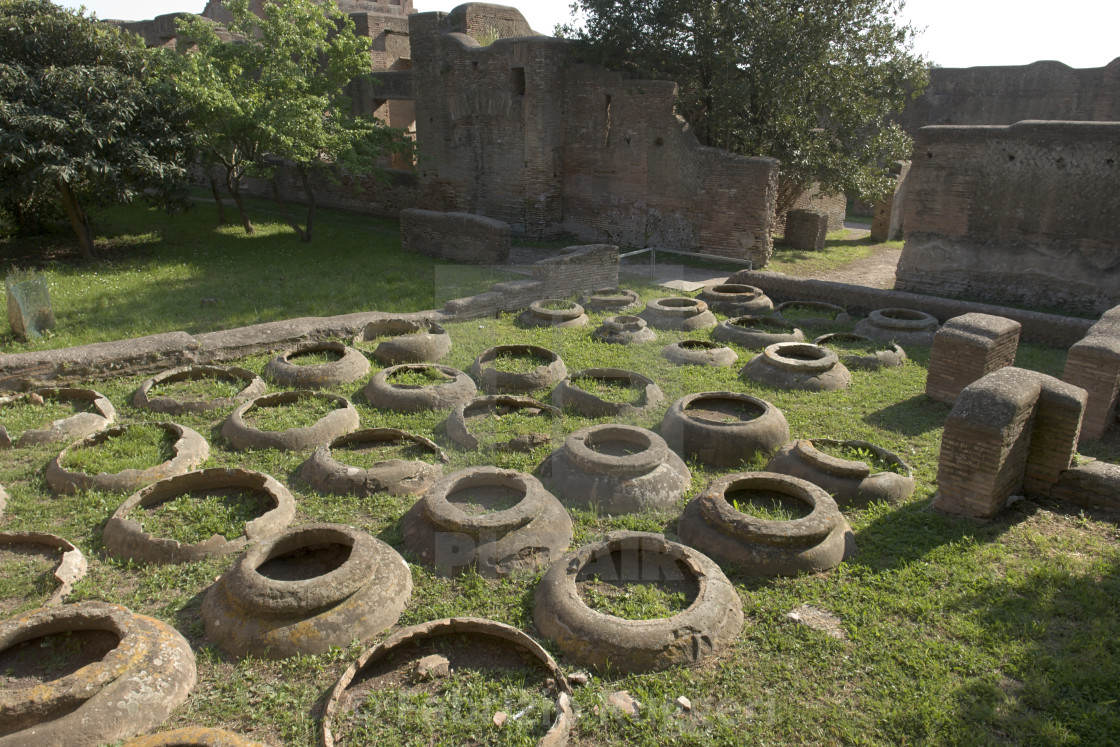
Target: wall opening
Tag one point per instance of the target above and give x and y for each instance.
(517, 81)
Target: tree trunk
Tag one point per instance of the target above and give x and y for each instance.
(310, 200)
(218, 201)
(233, 184)
(284, 210)
(78, 221)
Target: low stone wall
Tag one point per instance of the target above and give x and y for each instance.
(1049, 329)
(459, 237)
(1093, 364)
(1093, 485)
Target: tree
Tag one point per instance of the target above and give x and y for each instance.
(85, 115)
(273, 94)
(813, 83)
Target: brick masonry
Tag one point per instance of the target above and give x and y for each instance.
(886, 222)
(458, 237)
(1012, 431)
(1023, 215)
(806, 230)
(967, 348)
(1093, 364)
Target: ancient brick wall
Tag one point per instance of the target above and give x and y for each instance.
(459, 237)
(834, 206)
(1093, 364)
(966, 349)
(482, 21)
(1009, 94)
(517, 132)
(1025, 214)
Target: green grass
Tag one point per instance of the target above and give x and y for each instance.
(1001, 632)
(860, 454)
(510, 362)
(633, 601)
(611, 390)
(839, 251)
(420, 376)
(138, 447)
(302, 413)
(367, 455)
(856, 347)
(161, 273)
(200, 390)
(315, 359)
(23, 415)
(197, 516)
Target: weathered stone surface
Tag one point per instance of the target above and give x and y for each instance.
(603, 641)
(736, 299)
(904, 326)
(495, 381)
(498, 405)
(460, 237)
(757, 331)
(452, 527)
(464, 631)
(886, 221)
(542, 314)
(78, 425)
(409, 341)
(126, 538)
(254, 386)
(623, 703)
(133, 689)
(889, 356)
(767, 547)
(678, 313)
(806, 230)
(724, 429)
(624, 330)
(1022, 215)
(351, 366)
(455, 388)
(850, 482)
(190, 450)
(338, 422)
(966, 349)
(1093, 363)
(818, 619)
(311, 602)
(568, 393)
(798, 365)
(433, 667)
(616, 469)
(323, 471)
(193, 736)
(72, 566)
(700, 353)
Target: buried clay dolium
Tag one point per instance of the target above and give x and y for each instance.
(249, 384)
(798, 365)
(616, 469)
(700, 353)
(487, 518)
(850, 481)
(494, 407)
(406, 341)
(146, 672)
(572, 394)
(100, 415)
(608, 643)
(678, 313)
(724, 429)
(735, 299)
(350, 365)
(309, 589)
(443, 388)
(719, 520)
(327, 470)
(553, 312)
(339, 421)
(544, 369)
(72, 566)
(126, 538)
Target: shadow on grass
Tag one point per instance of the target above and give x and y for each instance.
(911, 417)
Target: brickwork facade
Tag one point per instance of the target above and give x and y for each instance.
(1093, 364)
(1022, 215)
(458, 237)
(967, 348)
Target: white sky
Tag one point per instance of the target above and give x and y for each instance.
(957, 33)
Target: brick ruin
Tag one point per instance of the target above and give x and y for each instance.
(1093, 364)
(1024, 214)
(967, 348)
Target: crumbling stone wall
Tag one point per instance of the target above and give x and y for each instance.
(486, 21)
(459, 237)
(517, 131)
(1008, 94)
(834, 206)
(1025, 214)
(886, 222)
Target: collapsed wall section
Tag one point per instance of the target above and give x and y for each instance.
(1025, 214)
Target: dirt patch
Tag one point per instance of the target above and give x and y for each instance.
(876, 271)
(305, 562)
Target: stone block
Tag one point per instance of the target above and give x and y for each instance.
(806, 230)
(967, 348)
(459, 237)
(1093, 364)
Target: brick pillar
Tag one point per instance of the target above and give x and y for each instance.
(1093, 364)
(967, 348)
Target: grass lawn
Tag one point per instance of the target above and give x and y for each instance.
(953, 631)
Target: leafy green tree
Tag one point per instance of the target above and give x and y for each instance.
(273, 94)
(85, 116)
(813, 83)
